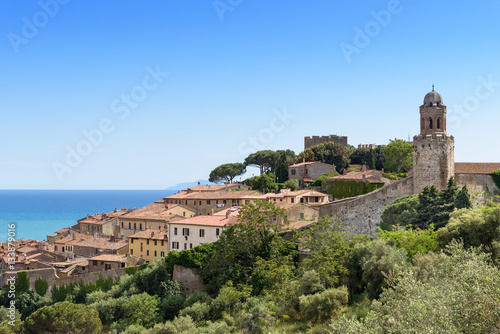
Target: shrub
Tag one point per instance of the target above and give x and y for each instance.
(41, 286)
(322, 306)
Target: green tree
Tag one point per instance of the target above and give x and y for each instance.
(412, 240)
(462, 200)
(460, 294)
(360, 156)
(398, 156)
(429, 204)
(63, 318)
(227, 172)
(265, 183)
(327, 243)
(292, 184)
(284, 158)
(322, 306)
(41, 286)
(265, 160)
(330, 153)
(402, 212)
(22, 282)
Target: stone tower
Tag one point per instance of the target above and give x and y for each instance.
(433, 149)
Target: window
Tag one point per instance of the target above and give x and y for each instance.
(131, 252)
(175, 245)
(302, 199)
(175, 230)
(438, 123)
(135, 226)
(94, 263)
(140, 226)
(162, 254)
(224, 201)
(129, 226)
(147, 241)
(131, 240)
(202, 233)
(430, 123)
(147, 252)
(185, 246)
(185, 231)
(208, 201)
(122, 224)
(184, 213)
(293, 171)
(301, 215)
(162, 243)
(186, 202)
(200, 202)
(142, 247)
(190, 246)
(156, 242)
(293, 199)
(217, 232)
(155, 253)
(194, 202)
(123, 265)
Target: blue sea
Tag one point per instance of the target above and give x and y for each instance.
(37, 213)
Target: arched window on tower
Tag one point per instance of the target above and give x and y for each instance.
(438, 123)
(422, 123)
(430, 123)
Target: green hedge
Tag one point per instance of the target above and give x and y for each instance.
(342, 189)
(496, 177)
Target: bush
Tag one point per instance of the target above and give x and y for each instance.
(41, 286)
(198, 312)
(322, 306)
(64, 317)
(292, 184)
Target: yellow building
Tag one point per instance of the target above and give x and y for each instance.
(149, 244)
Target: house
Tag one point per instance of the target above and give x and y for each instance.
(99, 245)
(198, 230)
(65, 246)
(106, 262)
(153, 216)
(354, 183)
(217, 187)
(149, 244)
(210, 202)
(306, 172)
(105, 224)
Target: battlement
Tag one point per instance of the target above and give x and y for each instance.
(436, 137)
(315, 140)
(369, 146)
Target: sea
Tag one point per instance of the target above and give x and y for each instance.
(36, 213)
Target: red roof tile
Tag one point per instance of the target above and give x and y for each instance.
(476, 167)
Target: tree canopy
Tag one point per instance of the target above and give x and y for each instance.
(330, 153)
(265, 160)
(398, 156)
(227, 172)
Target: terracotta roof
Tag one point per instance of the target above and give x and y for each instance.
(220, 195)
(102, 243)
(100, 219)
(151, 234)
(369, 176)
(476, 167)
(309, 163)
(158, 210)
(70, 240)
(213, 187)
(110, 258)
(205, 221)
(305, 192)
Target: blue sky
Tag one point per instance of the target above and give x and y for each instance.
(144, 95)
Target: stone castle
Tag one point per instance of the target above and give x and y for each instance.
(433, 164)
(315, 140)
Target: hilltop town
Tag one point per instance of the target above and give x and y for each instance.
(308, 189)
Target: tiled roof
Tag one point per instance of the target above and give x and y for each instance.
(151, 234)
(305, 163)
(158, 210)
(102, 243)
(476, 167)
(100, 219)
(72, 240)
(213, 187)
(205, 221)
(214, 195)
(110, 258)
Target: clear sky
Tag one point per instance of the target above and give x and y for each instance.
(146, 94)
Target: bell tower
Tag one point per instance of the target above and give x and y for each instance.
(433, 149)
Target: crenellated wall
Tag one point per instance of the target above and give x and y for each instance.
(315, 140)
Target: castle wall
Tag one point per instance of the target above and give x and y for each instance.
(362, 214)
(189, 280)
(481, 187)
(433, 161)
(315, 140)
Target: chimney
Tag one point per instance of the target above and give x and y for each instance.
(304, 159)
(344, 172)
(152, 234)
(198, 182)
(363, 168)
(228, 214)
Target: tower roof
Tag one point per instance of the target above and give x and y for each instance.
(433, 98)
